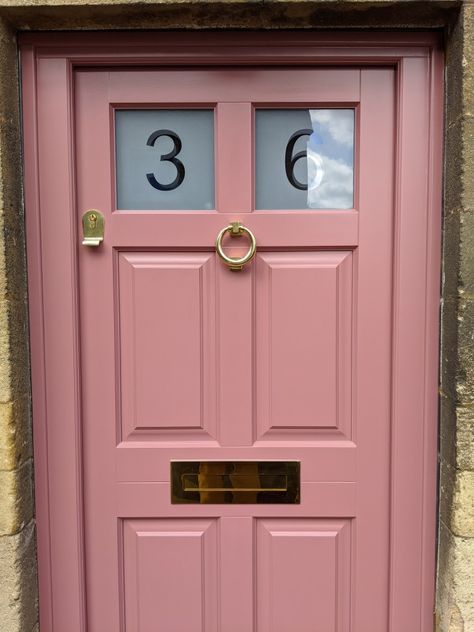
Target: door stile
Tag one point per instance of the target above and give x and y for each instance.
(99, 323)
(372, 353)
(415, 342)
(54, 322)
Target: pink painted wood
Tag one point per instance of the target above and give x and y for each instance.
(119, 391)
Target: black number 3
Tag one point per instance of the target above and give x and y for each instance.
(291, 160)
(170, 157)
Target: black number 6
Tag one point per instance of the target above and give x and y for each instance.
(291, 160)
(170, 157)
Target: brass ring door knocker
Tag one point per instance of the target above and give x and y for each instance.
(236, 229)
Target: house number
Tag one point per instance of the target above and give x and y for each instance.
(169, 157)
(290, 160)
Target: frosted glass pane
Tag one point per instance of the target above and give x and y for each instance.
(304, 159)
(164, 159)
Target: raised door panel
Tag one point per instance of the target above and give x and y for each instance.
(170, 575)
(304, 307)
(303, 575)
(166, 315)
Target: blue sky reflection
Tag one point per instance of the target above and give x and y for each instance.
(330, 153)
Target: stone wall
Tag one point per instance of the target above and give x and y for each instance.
(18, 609)
(455, 596)
(455, 592)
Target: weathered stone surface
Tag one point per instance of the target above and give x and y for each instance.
(14, 359)
(465, 439)
(455, 607)
(462, 521)
(14, 364)
(18, 585)
(465, 372)
(447, 429)
(455, 598)
(16, 499)
(454, 146)
(18, 591)
(468, 162)
(86, 14)
(15, 433)
(466, 263)
(454, 71)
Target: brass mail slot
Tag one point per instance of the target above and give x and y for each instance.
(235, 482)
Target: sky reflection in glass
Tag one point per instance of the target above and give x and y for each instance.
(327, 169)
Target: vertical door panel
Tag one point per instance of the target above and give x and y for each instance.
(170, 575)
(166, 314)
(303, 575)
(304, 320)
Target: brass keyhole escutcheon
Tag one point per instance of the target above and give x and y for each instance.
(236, 229)
(92, 228)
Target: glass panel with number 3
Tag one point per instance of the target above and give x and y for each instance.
(164, 159)
(304, 159)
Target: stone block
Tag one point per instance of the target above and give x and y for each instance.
(462, 512)
(465, 368)
(447, 483)
(466, 229)
(447, 429)
(444, 577)
(459, 172)
(14, 358)
(113, 14)
(465, 439)
(16, 444)
(5, 366)
(449, 356)
(451, 248)
(467, 62)
(455, 606)
(454, 169)
(467, 168)
(18, 582)
(11, 202)
(16, 499)
(454, 52)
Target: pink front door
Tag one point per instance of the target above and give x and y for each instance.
(278, 378)
(288, 359)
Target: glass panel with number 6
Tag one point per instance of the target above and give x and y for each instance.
(304, 159)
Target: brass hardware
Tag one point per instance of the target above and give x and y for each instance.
(235, 482)
(236, 229)
(92, 228)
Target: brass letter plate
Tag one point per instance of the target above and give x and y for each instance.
(235, 482)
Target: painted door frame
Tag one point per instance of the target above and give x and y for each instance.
(48, 64)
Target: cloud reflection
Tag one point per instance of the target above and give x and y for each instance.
(330, 159)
